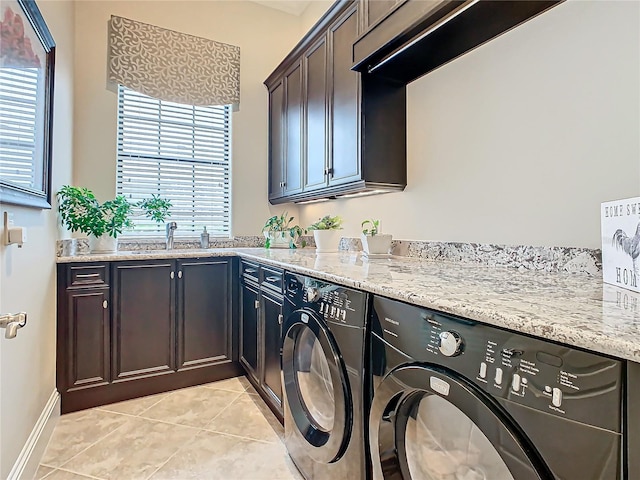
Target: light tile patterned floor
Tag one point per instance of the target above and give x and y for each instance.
(221, 430)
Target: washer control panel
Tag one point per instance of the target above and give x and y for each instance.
(556, 379)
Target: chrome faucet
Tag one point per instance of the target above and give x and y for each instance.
(171, 227)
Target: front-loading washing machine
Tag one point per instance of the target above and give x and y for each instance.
(455, 399)
(323, 375)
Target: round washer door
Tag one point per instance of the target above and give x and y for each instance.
(429, 423)
(316, 386)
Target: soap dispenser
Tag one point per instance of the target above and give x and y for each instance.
(204, 238)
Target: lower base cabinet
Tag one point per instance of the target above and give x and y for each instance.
(129, 329)
(261, 331)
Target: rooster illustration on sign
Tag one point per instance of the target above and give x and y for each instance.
(630, 245)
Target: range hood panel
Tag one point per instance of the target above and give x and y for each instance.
(410, 47)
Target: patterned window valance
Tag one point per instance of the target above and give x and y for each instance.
(172, 66)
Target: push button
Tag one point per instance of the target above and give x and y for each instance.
(483, 370)
(515, 384)
(498, 378)
(556, 397)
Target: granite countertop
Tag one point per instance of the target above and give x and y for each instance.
(576, 310)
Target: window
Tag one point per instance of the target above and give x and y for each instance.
(182, 153)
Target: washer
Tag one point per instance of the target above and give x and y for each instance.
(323, 377)
(458, 400)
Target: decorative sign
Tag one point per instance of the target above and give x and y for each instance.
(620, 221)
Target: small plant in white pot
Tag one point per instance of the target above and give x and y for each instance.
(279, 233)
(326, 233)
(80, 211)
(373, 241)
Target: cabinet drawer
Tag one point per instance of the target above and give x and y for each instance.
(272, 279)
(88, 275)
(250, 271)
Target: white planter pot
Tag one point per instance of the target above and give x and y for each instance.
(103, 244)
(277, 239)
(376, 245)
(327, 241)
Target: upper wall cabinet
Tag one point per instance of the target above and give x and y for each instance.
(406, 39)
(333, 131)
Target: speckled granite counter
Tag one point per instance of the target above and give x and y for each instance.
(572, 309)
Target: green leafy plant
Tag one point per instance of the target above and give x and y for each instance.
(81, 211)
(327, 223)
(370, 227)
(280, 224)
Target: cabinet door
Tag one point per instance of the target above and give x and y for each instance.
(204, 313)
(249, 314)
(271, 306)
(376, 10)
(344, 101)
(293, 132)
(276, 141)
(315, 61)
(143, 320)
(87, 338)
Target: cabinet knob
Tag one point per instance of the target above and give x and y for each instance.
(180, 274)
(256, 304)
(105, 304)
(280, 319)
(172, 275)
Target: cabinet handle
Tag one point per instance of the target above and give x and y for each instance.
(87, 275)
(105, 304)
(250, 270)
(284, 184)
(256, 304)
(172, 275)
(280, 319)
(180, 274)
(272, 279)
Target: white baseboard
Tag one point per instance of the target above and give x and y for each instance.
(27, 462)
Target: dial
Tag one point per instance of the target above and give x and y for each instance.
(313, 294)
(450, 344)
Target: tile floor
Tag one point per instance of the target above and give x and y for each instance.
(221, 430)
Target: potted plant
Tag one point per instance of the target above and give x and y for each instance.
(326, 233)
(373, 241)
(80, 211)
(279, 233)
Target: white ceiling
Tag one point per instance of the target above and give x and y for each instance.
(294, 7)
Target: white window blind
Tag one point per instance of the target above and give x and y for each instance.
(18, 95)
(181, 152)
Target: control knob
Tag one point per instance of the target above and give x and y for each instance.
(313, 294)
(450, 344)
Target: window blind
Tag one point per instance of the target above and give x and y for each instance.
(180, 152)
(18, 95)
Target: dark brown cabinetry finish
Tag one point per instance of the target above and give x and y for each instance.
(346, 117)
(276, 140)
(293, 139)
(144, 333)
(261, 331)
(128, 329)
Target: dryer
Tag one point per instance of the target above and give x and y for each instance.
(455, 399)
(323, 378)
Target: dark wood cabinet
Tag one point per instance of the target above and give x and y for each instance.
(249, 327)
(316, 116)
(134, 328)
(344, 101)
(271, 310)
(374, 11)
(276, 140)
(144, 333)
(342, 118)
(204, 312)
(261, 331)
(88, 358)
(293, 130)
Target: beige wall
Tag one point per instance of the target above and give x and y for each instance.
(264, 36)
(27, 275)
(312, 14)
(519, 141)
